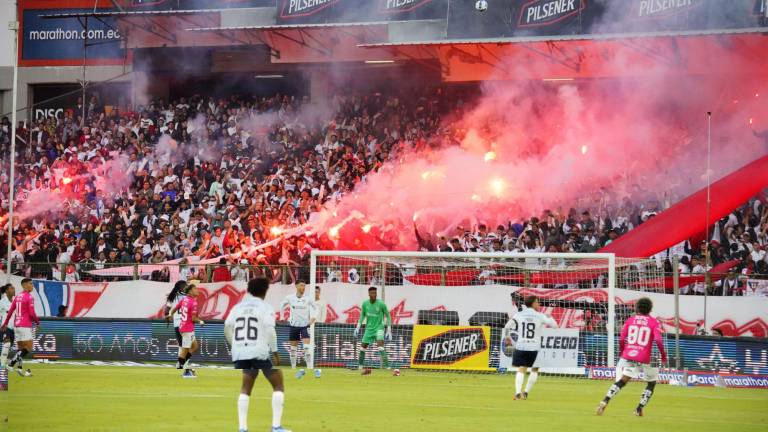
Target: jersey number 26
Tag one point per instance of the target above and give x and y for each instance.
(245, 329)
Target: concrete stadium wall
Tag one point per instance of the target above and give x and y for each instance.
(29, 76)
(7, 9)
(8, 12)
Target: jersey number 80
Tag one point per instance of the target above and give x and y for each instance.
(245, 329)
(638, 335)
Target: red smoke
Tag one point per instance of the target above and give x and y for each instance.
(588, 144)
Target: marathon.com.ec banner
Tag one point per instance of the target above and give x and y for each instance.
(559, 351)
(451, 347)
(66, 38)
(692, 379)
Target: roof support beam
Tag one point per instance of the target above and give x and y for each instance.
(301, 43)
(147, 24)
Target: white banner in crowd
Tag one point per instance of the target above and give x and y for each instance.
(735, 316)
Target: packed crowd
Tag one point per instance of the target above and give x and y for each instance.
(200, 178)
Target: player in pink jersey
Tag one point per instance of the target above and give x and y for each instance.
(23, 306)
(187, 309)
(639, 334)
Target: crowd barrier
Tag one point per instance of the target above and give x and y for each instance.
(336, 346)
(733, 316)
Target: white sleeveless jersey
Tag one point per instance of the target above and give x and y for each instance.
(301, 309)
(250, 329)
(5, 306)
(527, 324)
(320, 311)
(177, 315)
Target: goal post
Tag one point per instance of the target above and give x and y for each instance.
(471, 292)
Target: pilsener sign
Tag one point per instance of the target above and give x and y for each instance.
(450, 347)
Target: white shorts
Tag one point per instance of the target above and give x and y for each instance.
(187, 339)
(23, 334)
(636, 370)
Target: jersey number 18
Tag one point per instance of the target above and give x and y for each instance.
(529, 330)
(245, 329)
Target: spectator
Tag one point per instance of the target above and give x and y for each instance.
(729, 286)
(221, 272)
(236, 186)
(240, 273)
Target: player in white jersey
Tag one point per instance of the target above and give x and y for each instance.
(301, 318)
(250, 330)
(174, 298)
(523, 332)
(320, 310)
(9, 337)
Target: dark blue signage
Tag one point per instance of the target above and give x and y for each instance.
(67, 38)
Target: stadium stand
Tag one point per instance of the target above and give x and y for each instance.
(272, 163)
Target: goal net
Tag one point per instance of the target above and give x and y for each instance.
(449, 310)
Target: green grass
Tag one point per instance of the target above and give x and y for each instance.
(90, 398)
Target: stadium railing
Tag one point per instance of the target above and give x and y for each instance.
(337, 337)
(287, 274)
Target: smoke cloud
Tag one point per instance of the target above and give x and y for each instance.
(109, 177)
(529, 146)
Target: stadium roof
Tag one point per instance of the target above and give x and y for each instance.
(287, 41)
(569, 56)
(127, 13)
(293, 26)
(556, 38)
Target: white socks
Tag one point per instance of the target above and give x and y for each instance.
(292, 352)
(531, 381)
(4, 354)
(278, 398)
(519, 377)
(242, 411)
(309, 351)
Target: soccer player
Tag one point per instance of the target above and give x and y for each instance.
(300, 319)
(8, 338)
(174, 297)
(639, 334)
(187, 309)
(24, 307)
(320, 311)
(250, 330)
(374, 312)
(526, 325)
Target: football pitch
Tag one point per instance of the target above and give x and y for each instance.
(114, 398)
